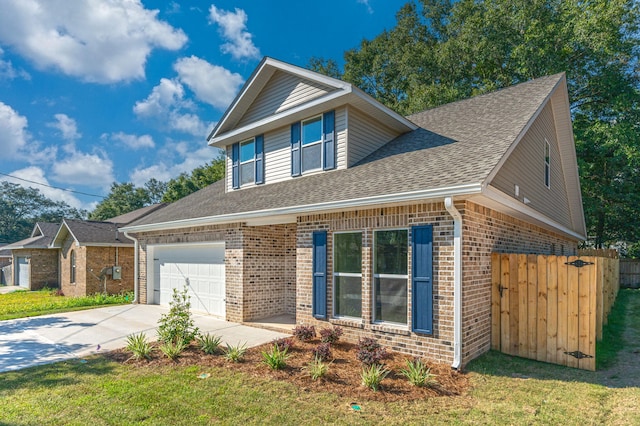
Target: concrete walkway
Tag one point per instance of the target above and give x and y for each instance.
(32, 341)
(10, 289)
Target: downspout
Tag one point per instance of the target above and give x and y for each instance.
(457, 282)
(135, 267)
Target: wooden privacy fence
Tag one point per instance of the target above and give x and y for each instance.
(551, 308)
(630, 273)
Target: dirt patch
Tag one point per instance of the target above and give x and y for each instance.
(343, 378)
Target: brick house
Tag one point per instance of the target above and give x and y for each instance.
(35, 264)
(95, 256)
(337, 210)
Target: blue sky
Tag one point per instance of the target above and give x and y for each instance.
(97, 91)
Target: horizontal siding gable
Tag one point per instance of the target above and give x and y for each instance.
(525, 168)
(365, 136)
(282, 92)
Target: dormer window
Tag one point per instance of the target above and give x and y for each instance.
(247, 162)
(312, 144)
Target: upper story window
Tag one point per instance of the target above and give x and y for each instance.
(313, 144)
(247, 162)
(547, 164)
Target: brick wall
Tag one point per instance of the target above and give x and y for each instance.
(98, 258)
(486, 231)
(43, 267)
(77, 288)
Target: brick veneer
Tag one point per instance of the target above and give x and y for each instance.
(89, 262)
(259, 266)
(484, 231)
(43, 267)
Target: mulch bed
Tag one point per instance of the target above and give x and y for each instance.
(342, 379)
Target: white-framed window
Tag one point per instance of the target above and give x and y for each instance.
(547, 163)
(347, 274)
(312, 144)
(390, 275)
(72, 266)
(247, 162)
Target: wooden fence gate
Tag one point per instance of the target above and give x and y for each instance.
(551, 308)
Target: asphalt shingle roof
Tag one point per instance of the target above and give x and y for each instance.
(458, 143)
(90, 232)
(38, 239)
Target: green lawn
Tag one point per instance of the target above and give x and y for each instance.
(21, 304)
(506, 390)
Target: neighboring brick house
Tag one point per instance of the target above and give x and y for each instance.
(337, 210)
(95, 256)
(35, 264)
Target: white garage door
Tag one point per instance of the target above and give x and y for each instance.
(22, 272)
(199, 267)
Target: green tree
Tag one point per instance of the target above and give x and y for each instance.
(123, 198)
(441, 51)
(21, 208)
(199, 178)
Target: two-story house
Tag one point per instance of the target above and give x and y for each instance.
(337, 210)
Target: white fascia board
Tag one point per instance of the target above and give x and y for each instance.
(105, 244)
(405, 197)
(504, 199)
(219, 141)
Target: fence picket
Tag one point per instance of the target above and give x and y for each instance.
(523, 318)
(552, 307)
(532, 296)
(573, 313)
(495, 301)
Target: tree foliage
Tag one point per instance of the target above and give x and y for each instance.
(443, 50)
(200, 177)
(21, 208)
(123, 198)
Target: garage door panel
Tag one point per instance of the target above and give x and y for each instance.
(201, 268)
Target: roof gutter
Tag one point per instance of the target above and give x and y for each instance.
(135, 267)
(457, 282)
(404, 197)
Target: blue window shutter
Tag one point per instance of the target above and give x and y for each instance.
(235, 165)
(296, 151)
(259, 159)
(320, 274)
(329, 140)
(422, 278)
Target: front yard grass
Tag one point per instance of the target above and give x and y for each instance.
(20, 304)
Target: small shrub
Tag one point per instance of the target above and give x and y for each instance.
(173, 349)
(235, 353)
(330, 335)
(139, 345)
(276, 359)
(58, 292)
(209, 343)
(286, 343)
(322, 351)
(178, 324)
(317, 368)
(370, 352)
(418, 373)
(372, 375)
(304, 333)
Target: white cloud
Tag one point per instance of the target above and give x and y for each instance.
(8, 72)
(13, 131)
(36, 174)
(212, 84)
(164, 171)
(80, 168)
(233, 27)
(367, 5)
(167, 104)
(67, 127)
(103, 41)
(132, 141)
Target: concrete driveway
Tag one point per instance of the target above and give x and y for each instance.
(32, 341)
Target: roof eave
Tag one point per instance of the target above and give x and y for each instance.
(406, 197)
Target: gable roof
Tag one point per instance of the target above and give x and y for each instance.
(123, 219)
(41, 236)
(91, 233)
(337, 93)
(454, 152)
